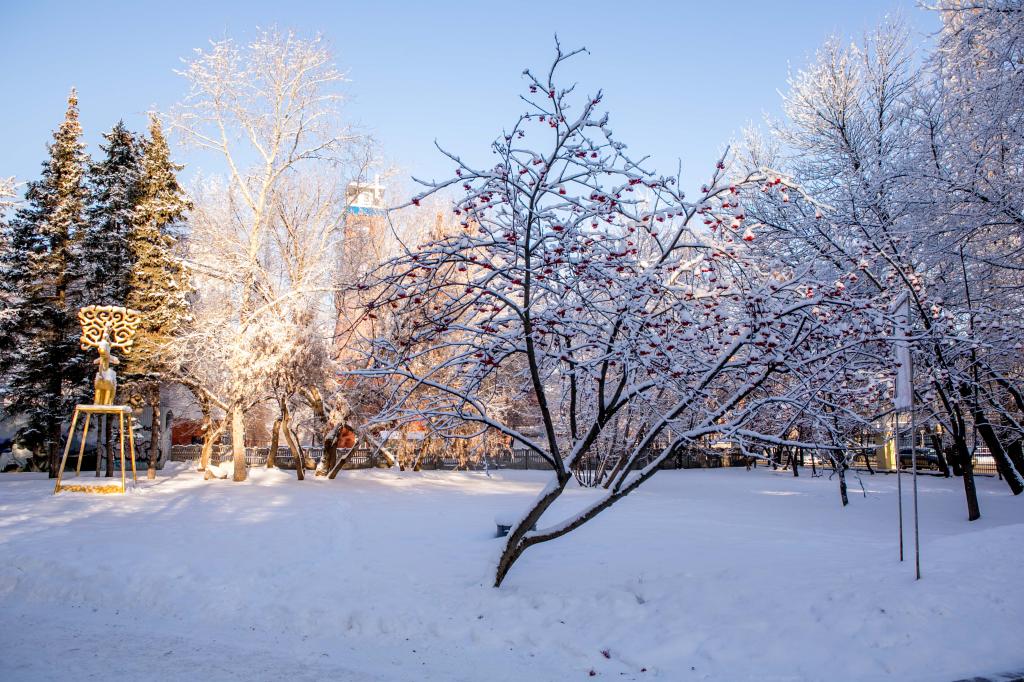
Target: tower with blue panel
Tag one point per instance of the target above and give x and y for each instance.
(364, 222)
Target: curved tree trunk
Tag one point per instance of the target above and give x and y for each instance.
(995, 446)
(330, 457)
(289, 438)
(1015, 451)
(988, 434)
(328, 435)
(210, 438)
(517, 542)
(275, 442)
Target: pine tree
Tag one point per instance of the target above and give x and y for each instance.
(159, 285)
(105, 248)
(45, 370)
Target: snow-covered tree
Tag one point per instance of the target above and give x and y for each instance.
(105, 248)
(271, 111)
(610, 289)
(158, 282)
(969, 159)
(905, 170)
(8, 199)
(7, 192)
(44, 370)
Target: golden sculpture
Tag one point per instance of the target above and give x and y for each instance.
(103, 328)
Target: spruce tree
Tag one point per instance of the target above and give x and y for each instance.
(105, 248)
(7, 200)
(44, 369)
(159, 284)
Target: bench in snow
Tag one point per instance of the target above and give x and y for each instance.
(505, 521)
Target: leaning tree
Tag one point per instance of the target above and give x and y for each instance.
(611, 291)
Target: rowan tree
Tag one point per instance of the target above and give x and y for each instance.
(610, 289)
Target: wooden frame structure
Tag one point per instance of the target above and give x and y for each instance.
(122, 411)
(104, 327)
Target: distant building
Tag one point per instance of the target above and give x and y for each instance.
(365, 198)
(361, 240)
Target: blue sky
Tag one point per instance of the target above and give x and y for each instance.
(680, 78)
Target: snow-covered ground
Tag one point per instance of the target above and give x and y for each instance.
(380, 575)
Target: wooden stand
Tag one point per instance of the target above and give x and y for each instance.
(121, 411)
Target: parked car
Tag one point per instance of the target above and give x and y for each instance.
(985, 461)
(926, 458)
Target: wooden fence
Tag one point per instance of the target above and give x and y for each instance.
(518, 458)
(258, 455)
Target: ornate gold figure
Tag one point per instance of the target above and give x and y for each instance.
(103, 328)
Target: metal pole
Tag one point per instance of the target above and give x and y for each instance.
(913, 465)
(899, 485)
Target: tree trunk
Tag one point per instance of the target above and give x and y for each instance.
(516, 542)
(52, 454)
(954, 461)
(210, 439)
(988, 434)
(108, 427)
(937, 446)
(293, 445)
(328, 436)
(275, 442)
(330, 456)
(154, 434)
(995, 446)
(967, 469)
(792, 460)
(340, 461)
(310, 462)
(100, 430)
(867, 454)
(204, 452)
(841, 470)
(238, 443)
(1015, 452)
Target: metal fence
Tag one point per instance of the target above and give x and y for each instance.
(867, 459)
(526, 459)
